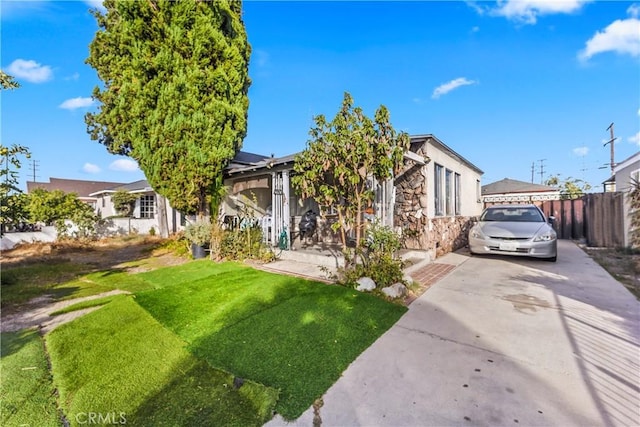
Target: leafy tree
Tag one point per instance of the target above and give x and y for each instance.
(7, 81)
(570, 188)
(123, 202)
(340, 158)
(51, 207)
(175, 91)
(12, 202)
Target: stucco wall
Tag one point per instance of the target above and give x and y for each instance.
(471, 201)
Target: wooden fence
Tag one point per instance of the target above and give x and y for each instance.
(597, 218)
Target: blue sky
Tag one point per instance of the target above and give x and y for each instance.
(504, 84)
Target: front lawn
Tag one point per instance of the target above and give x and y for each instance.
(196, 344)
(284, 332)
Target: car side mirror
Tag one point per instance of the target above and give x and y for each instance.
(551, 219)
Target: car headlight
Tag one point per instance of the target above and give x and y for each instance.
(476, 233)
(545, 237)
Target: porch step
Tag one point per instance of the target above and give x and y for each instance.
(329, 259)
(414, 259)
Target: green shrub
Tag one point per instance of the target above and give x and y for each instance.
(152, 231)
(376, 259)
(240, 244)
(198, 232)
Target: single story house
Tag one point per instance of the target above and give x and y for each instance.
(150, 211)
(511, 191)
(431, 201)
(149, 208)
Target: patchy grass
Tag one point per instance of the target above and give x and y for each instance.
(120, 362)
(285, 332)
(87, 304)
(65, 270)
(622, 263)
(54, 281)
(23, 283)
(26, 391)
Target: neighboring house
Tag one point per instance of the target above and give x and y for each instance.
(511, 191)
(149, 212)
(149, 208)
(624, 175)
(82, 189)
(431, 200)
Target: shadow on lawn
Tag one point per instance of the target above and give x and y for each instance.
(284, 332)
(251, 404)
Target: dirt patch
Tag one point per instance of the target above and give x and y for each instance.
(131, 254)
(98, 255)
(39, 315)
(622, 264)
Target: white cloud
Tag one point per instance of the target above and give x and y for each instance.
(449, 86)
(635, 139)
(621, 36)
(30, 71)
(74, 76)
(527, 11)
(74, 103)
(124, 165)
(475, 29)
(91, 168)
(581, 151)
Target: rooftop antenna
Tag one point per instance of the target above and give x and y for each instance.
(612, 142)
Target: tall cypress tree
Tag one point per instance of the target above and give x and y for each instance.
(175, 76)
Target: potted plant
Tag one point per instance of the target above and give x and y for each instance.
(199, 234)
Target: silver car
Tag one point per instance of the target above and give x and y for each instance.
(514, 230)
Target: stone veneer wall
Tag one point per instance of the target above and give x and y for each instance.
(438, 235)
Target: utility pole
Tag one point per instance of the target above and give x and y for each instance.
(612, 142)
(542, 170)
(34, 168)
(533, 168)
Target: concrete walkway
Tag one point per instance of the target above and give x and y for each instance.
(497, 342)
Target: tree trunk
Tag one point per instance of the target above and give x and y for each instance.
(163, 224)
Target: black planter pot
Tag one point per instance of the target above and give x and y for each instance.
(198, 251)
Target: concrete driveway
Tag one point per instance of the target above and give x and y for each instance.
(501, 342)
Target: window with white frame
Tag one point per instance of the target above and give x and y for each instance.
(448, 192)
(437, 189)
(147, 206)
(457, 200)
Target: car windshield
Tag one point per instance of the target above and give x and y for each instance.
(512, 214)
